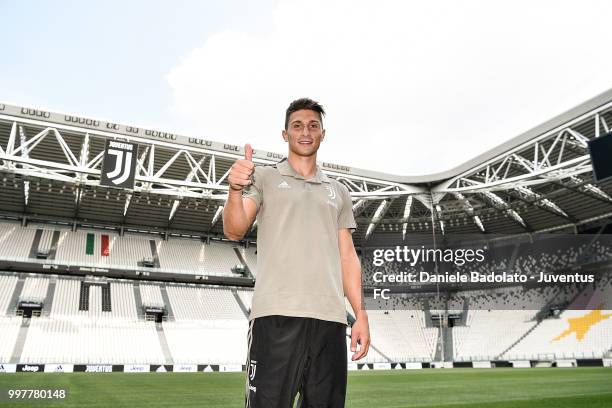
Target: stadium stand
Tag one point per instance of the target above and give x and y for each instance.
(402, 335)
(34, 290)
(108, 249)
(7, 287)
(89, 248)
(488, 333)
(191, 303)
(9, 330)
(14, 240)
(90, 341)
(584, 330)
(81, 332)
(151, 295)
(218, 341)
(88, 317)
(246, 296)
(189, 256)
(99, 275)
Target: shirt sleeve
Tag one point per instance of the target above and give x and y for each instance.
(255, 190)
(346, 218)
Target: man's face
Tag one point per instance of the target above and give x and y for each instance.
(304, 132)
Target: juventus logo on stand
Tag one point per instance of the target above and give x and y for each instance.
(119, 164)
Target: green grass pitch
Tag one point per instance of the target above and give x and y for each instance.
(490, 388)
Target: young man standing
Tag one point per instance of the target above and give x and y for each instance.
(306, 264)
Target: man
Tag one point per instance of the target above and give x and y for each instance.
(306, 264)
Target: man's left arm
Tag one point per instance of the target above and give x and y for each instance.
(351, 281)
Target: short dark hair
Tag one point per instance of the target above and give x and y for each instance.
(304, 103)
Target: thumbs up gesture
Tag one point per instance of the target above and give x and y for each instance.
(241, 171)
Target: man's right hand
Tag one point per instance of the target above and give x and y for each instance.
(241, 171)
(239, 212)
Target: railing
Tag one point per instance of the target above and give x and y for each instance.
(111, 265)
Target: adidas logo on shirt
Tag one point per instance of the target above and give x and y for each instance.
(284, 184)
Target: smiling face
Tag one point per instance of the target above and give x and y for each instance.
(304, 132)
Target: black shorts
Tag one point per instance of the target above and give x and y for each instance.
(287, 355)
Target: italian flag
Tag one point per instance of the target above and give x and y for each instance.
(91, 240)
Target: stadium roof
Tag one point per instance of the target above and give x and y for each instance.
(538, 181)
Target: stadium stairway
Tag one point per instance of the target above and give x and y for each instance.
(438, 355)
(35, 243)
(464, 315)
(532, 328)
(163, 343)
(49, 298)
(448, 343)
(427, 311)
(20, 341)
(154, 253)
(240, 303)
(164, 293)
(243, 261)
(14, 302)
(138, 299)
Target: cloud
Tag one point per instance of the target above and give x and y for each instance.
(410, 87)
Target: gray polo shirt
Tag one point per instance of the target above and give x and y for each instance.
(298, 261)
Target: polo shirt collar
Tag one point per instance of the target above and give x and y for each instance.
(285, 169)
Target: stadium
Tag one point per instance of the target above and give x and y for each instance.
(113, 261)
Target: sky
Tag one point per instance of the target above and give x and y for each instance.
(409, 87)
